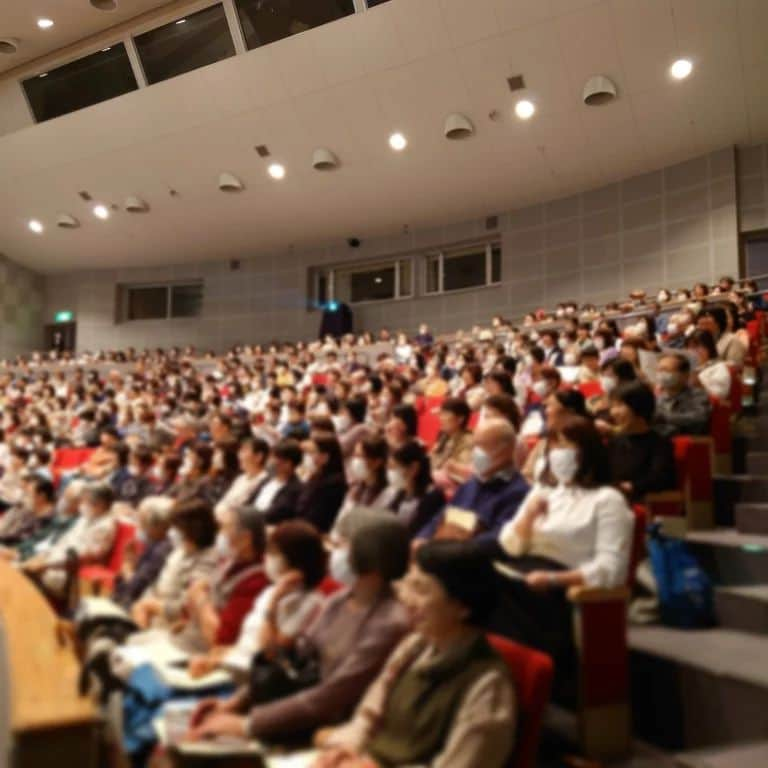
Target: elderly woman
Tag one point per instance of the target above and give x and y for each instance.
(352, 638)
(444, 698)
(141, 568)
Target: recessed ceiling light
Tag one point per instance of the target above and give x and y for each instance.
(104, 5)
(398, 142)
(35, 226)
(104, 50)
(9, 45)
(101, 212)
(45, 23)
(524, 109)
(44, 74)
(67, 221)
(276, 171)
(378, 280)
(681, 69)
(181, 21)
(228, 182)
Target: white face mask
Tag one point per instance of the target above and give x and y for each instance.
(562, 343)
(340, 568)
(274, 567)
(481, 461)
(342, 422)
(396, 478)
(308, 463)
(668, 380)
(223, 547)
(541, 388)
(672, 329)
(564, 463)
(358, 469)
(608, 383)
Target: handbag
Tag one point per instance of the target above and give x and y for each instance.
(289, 671)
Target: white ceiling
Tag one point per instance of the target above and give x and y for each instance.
(405, 66)
(74, 20)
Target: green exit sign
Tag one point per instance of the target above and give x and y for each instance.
(64, 317)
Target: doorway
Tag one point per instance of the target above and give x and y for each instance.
(61, 337)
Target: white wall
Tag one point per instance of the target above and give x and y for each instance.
(670, 227)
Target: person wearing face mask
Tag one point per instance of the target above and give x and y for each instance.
(134, 483)
(680, 408)
(11, 483)
(193, 557)
(90, 538)
(417, 500)
(573, 529)
(252, 459)
(146, 556)
(295, 564)
(444, 698)
(367, 474)
(402, 426)
(354, 634)
(547, 382)
(491, 497)
(326, 485)
(350, 426)
(451, 456)
(548, 341)
(641, 459)
(277, 496)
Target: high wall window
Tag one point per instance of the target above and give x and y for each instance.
(266, 21)
(459, 269)
(188, 43)
(160, 301)
(79, 84)
(384, 280)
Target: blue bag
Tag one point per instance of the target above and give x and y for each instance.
(685, 590)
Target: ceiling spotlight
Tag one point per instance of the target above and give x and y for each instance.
(9, 45)
(101, 212)
(398, 142)
(35, 226)
(276, 171)
(681, 69)
(458, 126)
(44, 74)
(598, 90)
(45, 23)
(228, 182)
(378, 280)
(181, 21)
(65, 221)
(104, 5)
(135, 204)
(104, 50)
(324, 160)
(524, 109)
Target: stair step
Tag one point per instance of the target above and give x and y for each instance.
(741, 756)
(729, 490)
(743, 608)
(698, 688)
(730, 557)
(751, 518)
(757, 463)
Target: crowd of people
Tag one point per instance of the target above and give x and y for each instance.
(288, 513)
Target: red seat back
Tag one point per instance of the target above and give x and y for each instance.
(720, 425)
(70, 458)
(736, 389)
(532, 672)
(329, 586)
(125, 534)
(693, 465)
(590, 389)
(428, 409)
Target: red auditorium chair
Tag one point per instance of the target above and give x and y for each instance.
(329, 586)
(66, 459)
(600, 626)
(532, 672)
(100, 579)
(428, 412)
(590, 389)
(721, 425)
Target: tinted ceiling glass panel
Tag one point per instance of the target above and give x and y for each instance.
(81, 83)
(188, 43)
(266, 21)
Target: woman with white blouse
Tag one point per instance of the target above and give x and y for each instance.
(712, 373)
(577, 532)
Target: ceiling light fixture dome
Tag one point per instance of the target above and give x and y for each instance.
(324, 160)
(135, 204)
(681, 69)
(36, 226)
(9, 45)
(104, 5)
(599, 90)
(458, 126)
(228, 182)
(101, 212)
(398, 142)
(45, 23)
(67, 221)
(524, 109)
(276, 171)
